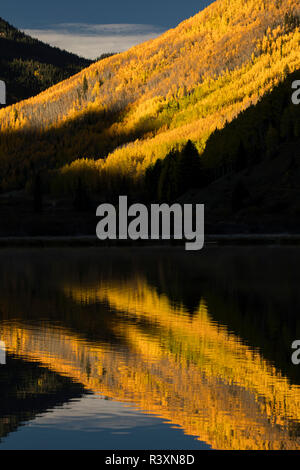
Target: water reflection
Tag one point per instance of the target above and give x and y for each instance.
(202, 341)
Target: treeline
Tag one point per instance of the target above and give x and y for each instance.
(29, 66)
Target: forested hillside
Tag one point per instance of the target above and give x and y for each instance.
(262, 134)
(110, 122)
(29, 66)
(248, 175)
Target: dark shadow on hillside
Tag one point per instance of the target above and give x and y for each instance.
(24, 153)
(254, 166)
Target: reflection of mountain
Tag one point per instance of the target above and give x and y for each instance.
(189, 369)
(26, 389)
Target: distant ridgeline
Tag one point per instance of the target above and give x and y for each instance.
(29, 66)
(218, 86)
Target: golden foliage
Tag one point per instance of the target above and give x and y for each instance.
(182, 85)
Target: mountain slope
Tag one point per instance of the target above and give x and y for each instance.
(256, 164)
(134, 107)
(29, 66)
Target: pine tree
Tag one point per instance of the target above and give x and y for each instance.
(189, 168)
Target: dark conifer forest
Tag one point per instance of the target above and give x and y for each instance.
(29, 66)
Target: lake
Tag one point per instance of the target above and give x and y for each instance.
(149, 348)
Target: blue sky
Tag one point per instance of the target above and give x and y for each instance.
(91, 27)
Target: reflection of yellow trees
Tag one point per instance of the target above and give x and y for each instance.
(190, 371)
(200, 340)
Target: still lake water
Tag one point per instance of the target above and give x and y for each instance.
(150, 348)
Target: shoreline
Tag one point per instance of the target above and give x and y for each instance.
(93, 241)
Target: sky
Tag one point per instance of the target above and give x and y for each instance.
(93, 27)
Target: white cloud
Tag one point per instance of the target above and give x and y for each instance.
(92, 40)
(93, 413)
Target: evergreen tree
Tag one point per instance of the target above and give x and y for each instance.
(189, 174)
(151, 180)
(168, 181)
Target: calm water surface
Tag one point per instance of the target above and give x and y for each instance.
(149, 348)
